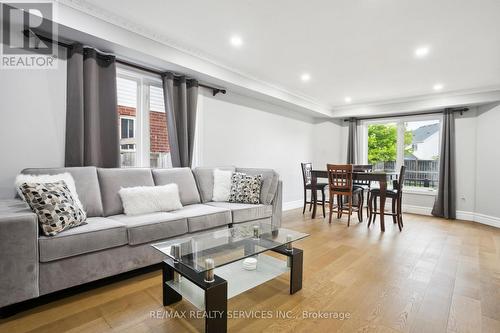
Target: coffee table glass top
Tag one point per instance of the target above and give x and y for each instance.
(228, 245)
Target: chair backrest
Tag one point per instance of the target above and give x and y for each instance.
(306, 172)
(340, 177)
(362, 168)
(401, 179)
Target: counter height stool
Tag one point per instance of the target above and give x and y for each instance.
(340, 183)
(306, 177)
(365, 185)
(396, 195)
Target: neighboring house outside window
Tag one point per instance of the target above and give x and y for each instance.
(143, 124)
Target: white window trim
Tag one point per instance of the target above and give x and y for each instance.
(141, 129)
(133, 120)
(399, 121)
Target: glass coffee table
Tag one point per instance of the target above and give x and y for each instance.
(207, 269)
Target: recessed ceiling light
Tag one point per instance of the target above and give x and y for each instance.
(305, 77)
(348, 99)
(437, 86)
(422, 52)
(236, 41)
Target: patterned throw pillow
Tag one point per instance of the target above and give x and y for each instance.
(54, 205)
(245, 188)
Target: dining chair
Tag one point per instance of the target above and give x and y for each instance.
(396, 195)
(365, 185)
(341, 185)
(306, 176)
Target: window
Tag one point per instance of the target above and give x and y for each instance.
(143, 123)
(412, 141)
(127, 128)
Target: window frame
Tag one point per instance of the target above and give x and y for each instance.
(399, 121)
(141, 130)
(133, 125)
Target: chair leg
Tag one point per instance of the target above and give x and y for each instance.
(367, 203)
(400, 214)
(330, 209)
(394, 216)
(323, 200)
(349, 200)
(370, 207)
(360, 205)
(374, 213)
(339, 206)
(312, 200)
(305, 202)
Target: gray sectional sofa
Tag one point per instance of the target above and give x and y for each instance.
(110, 243)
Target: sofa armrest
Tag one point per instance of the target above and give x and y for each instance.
(277, 206)
(18, 252)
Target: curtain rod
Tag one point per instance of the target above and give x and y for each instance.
(215, 90)
(461, 110)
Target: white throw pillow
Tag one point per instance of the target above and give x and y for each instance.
(222, 185)
(150, 199)
(45, 179)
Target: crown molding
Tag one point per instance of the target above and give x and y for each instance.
(468, 97)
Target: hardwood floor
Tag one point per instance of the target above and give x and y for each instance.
(435, 276)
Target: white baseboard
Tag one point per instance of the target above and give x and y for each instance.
(488, 220)
(417, 210)
(461, 215)
(293, 205)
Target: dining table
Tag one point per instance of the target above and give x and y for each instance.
(377, 176)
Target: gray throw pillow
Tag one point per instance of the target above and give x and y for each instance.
(54, 205)
(245, 188)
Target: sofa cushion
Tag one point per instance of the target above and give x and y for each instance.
(151, 227)
(269, 182)
(201, 217)
(205, 181)
(245, 212)
(98, 234)
(86, 184)
(184, 178)
(245, 188)
(54, 206)
(112, 180)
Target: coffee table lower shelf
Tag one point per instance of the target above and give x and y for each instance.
(238, 279)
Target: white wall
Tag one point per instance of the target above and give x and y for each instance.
(465, 140)
(235, 130)
(488, 160)
(32, 122)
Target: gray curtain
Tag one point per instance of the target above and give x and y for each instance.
(445, 205)
(352, 141)
(181, 97)
(92, 135)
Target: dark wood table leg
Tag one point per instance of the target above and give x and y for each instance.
(216, 307)
(297, 259)
(170, 296)
(314, 182)
(383, 193)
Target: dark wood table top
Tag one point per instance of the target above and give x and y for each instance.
(359, 175)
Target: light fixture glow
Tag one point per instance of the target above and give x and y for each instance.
(236, 41)
(305, 77)
(348, 99)
(438, 86)
(422, 52)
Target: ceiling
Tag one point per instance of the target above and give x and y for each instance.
(362, 49)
